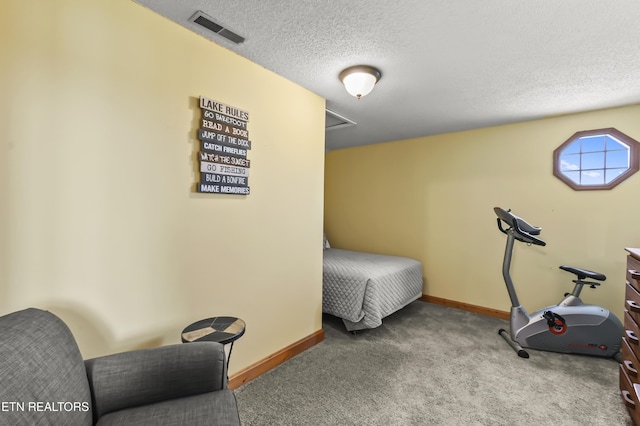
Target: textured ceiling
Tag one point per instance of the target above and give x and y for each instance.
(447, 65)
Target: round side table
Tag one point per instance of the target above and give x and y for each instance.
(225, 330)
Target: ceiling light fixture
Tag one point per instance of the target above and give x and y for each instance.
(360, 79)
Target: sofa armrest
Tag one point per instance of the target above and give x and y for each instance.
(131, 379)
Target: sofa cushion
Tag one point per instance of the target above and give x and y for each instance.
(42, 371)
(147, 376)
(214, 408)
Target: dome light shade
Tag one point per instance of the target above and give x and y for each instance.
(360, 79)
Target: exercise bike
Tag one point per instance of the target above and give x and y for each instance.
(568, 327)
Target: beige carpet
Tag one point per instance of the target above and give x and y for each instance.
(432, 365)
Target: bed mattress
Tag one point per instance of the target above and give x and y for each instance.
(363, 288)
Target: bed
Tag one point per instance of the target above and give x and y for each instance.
(363, 288)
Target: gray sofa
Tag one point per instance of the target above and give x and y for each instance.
(44, 380)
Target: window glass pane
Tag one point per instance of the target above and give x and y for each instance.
(615, 144)
(569, 162)
(592, 143)
(592, 177)
(596, 159)
(572, 148)
(574, 176)
(593, 161)
(617, 159)
(611, 174)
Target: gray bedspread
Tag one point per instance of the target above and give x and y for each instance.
(363, 288)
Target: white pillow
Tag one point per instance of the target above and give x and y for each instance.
(325, 242)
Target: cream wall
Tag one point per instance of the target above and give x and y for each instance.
(99, 219)
(432, 198)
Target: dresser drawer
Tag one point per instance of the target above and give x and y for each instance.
(630, 361)
(633, 272)
(631, 334)
(632, 302)
(629, 396)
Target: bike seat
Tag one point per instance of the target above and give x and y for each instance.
(584, 273)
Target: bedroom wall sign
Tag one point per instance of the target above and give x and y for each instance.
(224, 143)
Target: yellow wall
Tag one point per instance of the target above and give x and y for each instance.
(432, 198)
(99, 221)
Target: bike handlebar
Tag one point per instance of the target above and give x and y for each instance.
(522, 230)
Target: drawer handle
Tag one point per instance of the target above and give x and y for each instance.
(626, 395)
(632, 336)
(633, 306)
(630, 367)
(634, 274)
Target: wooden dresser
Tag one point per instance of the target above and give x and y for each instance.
(629, 378)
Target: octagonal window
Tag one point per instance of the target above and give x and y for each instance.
(596, 159)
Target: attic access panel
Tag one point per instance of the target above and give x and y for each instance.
(335, 121)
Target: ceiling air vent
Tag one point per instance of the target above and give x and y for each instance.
(205, 21)
(335, 121)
